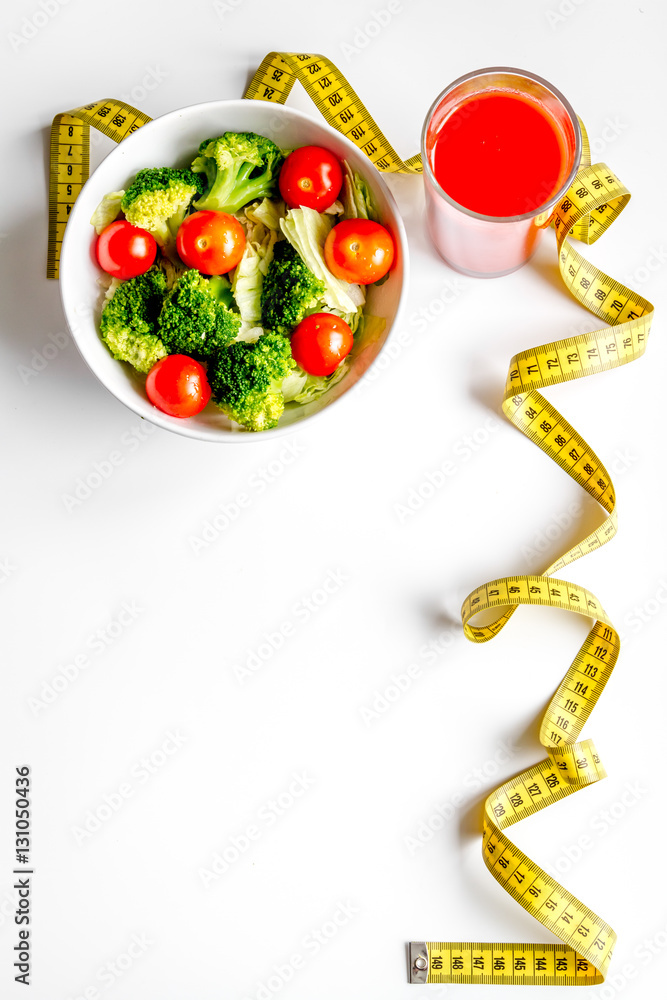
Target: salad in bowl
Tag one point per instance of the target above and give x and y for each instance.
(239, 282)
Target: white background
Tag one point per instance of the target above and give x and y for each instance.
(327, 506)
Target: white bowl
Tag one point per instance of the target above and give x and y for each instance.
(172, 141)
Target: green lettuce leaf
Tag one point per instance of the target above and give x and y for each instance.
(357, 199)
(249, 273)
(267, 211)
(307, 231)
(300, 387)
(107, 211)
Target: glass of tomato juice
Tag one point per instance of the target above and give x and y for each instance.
(500, 147)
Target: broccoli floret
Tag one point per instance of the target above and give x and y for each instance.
(158, 199)
(246, 380)
(239, 167)
(129, 320)
(172, 271)
(289, 290)
(195, 319)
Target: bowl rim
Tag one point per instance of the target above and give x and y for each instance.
(195, 431)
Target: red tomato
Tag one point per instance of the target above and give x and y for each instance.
(311, 176)
(320, 342)
(211, 242)
(177, 385)
(359, 250)
(124, 251)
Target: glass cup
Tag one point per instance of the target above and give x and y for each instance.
(488, 246)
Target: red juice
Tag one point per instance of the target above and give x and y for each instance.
(498, 154)
(500, 147)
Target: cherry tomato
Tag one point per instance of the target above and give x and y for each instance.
(124, 251)
(311, 176)
(359, 250)
(320, 342)
(177, 385)
(211, 242)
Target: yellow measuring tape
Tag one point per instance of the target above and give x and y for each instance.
(334, 98)
(592, 203)
(69, 160)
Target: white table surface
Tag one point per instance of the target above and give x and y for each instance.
(152, 728)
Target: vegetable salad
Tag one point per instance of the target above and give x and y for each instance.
(240, 280)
